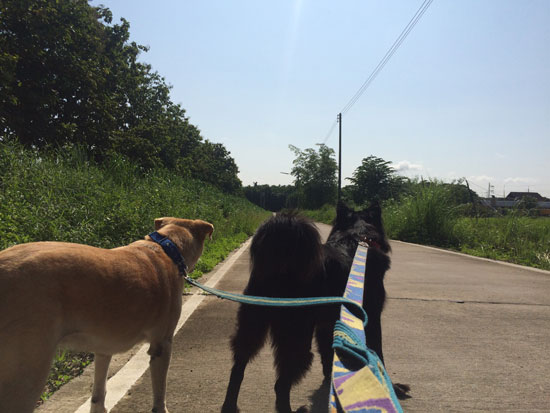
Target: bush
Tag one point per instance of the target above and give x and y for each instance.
(63, 196)
(427, 216)
(326, 214)
(515, 238)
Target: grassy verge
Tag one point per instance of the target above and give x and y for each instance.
(517, 239)
(425, 217)
(326, 214)
(429, 217)
(64, 197)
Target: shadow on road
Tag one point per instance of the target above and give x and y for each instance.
(319, 398)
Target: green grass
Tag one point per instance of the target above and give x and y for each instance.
(66, 366)
(513, 238)
(67, 198)
(428, 216)
(64, 197)
(325, 214)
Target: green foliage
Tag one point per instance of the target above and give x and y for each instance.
(66, 365)
(528, 203)
(515, 238)
(69, 77)
(433, 214)
(272, 197)
(426, 216)
(315, 176)
(65, 196)
(375, 180)
(212, 163)
(326, 214)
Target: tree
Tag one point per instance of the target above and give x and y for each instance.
(211, 163)
(69, 77)
(271, 197)
(56, 73)
(315, 176)
(375, 180)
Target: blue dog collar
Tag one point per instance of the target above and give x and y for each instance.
(171, 250)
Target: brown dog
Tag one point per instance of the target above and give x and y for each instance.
(74, 296)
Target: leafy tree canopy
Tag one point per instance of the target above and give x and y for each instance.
(69, 76)
(375, 180)
(315, 176)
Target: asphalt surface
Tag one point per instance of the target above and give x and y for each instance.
(467, 335)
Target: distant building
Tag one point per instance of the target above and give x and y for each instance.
(518, 196)
(514, 198)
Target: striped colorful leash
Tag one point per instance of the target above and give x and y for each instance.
(360, 383)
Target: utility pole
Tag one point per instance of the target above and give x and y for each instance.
(339, 157)
(490, 190)
(471, 198)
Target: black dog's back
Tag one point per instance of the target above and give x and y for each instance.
(286, 257)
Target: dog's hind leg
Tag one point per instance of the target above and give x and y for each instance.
(25, 362)
(374, 297)
(160, 361)
(373, 334)
(101, 367)
(324, 336)
(252, 326)
(293, 357)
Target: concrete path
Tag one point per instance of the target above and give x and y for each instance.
(468, 335)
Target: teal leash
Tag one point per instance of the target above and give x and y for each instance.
(356, 309)
(172, 251)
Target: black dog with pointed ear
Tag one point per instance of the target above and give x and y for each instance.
(349, 228)
(289, 260)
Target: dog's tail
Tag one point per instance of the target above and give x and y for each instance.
(286, 254)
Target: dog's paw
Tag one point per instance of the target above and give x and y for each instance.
(97, 409)
(227, 409)
(303, 409)
(402, 391)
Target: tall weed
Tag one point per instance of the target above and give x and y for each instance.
(430, 216)
(515, 238)
(426, 216)
(65, 197)
(326, 214)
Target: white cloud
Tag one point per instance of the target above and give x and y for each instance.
(481, 178)
(519, 180)
(404, 166)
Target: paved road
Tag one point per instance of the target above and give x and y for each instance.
(468, 335)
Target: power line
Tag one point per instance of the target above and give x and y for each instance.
(330, 132)
(479, 186)
(400, 39)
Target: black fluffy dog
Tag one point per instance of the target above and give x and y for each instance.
(289, 260)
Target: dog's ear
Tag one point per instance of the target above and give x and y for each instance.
(159, 223)
(374, 212)
(203, 228)
(342, 211)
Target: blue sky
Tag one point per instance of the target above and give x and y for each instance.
(466, 95)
